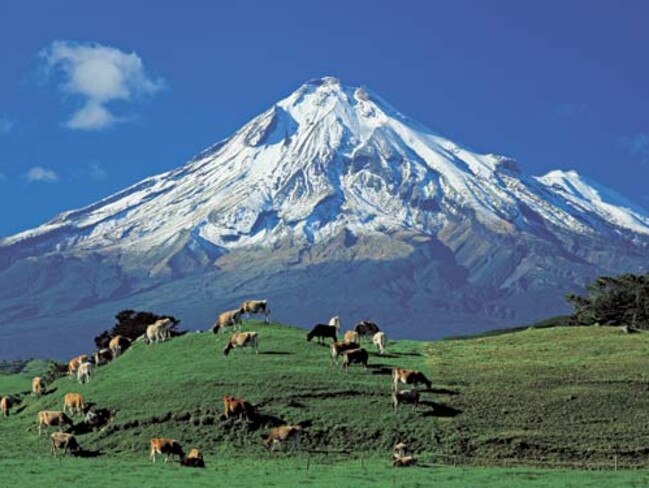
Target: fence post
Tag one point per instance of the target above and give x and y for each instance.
(616, 462)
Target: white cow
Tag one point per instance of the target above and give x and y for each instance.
(380, 340)
(84, 372)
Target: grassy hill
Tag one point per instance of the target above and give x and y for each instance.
(563, 397)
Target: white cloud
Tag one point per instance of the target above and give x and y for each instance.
(5, 125)
(40, 173)
(98, 74)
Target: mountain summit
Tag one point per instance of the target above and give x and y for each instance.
(330, 202)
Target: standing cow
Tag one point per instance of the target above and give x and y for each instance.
(229, 318)
(255, 307)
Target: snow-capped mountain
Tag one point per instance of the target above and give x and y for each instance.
(330, 202)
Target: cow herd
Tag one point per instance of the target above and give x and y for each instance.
(82, 367)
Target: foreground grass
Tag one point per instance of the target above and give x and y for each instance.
(290, 471)
(564, 397)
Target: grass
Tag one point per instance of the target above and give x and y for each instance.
(552, 397)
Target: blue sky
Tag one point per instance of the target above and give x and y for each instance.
(554, 84)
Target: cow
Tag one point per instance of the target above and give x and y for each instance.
(366, 328)
(103, 356)
(351, 336)
(194, 459)
(322, 331)
(242, 339)
(166, 447)
(238, 408)
(84, 372)
(379, 340)
(282, 434)
(38, 386)
(335, 322)
(49, 418)
(355, 356)
(229, 318)
(67, 442)
(337, 348)
(73, 403)
(406, 396)
(408, 377)
(159, 331)
(118, 345)
(74, 363)
(403, 461)
(7, 403)
(253, 307)
(98, 417)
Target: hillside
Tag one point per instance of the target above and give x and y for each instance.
(564, 397)
(331, 201)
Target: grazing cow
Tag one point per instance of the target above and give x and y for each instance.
(408, 377)
(366, 328)
(84, 372)
(230, 318)
(322, 331)
(403, 461)
(379, 339)
(38, 386)
(73, 403)
(194, 459)
(7, 403)
(48, 418)
(67, 442)
(159, 331)
(118, 345)
(103, 356)
(253, 307)
(335, 322)
(406, 396)
(237, 408)
(98, 417)
(351, 336)
(355, 356)
(166, 447)
(74, 363)
(242, 339)
(337, 348)
(282, 434)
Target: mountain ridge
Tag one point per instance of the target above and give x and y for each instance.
(333, 176)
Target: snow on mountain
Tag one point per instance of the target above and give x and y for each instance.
(324, 158)
(324, 162)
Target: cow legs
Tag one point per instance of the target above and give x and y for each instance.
(267, 318)
(152, 455)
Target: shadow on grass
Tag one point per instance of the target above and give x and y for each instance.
(442, 391)
(439, 410)
(50, 391)
(380, 369)
(83, 453)
(276, 353)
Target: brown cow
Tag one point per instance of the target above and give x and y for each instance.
(73, 403)
(118, 345)
(282, 434)
(74, 363)
(38, 386)
(47, 418)
(365, 328)
(194, 459)
(67, 442)
(406, 396)
(166, 447)
(229, 318)
(253, 307)
(355, 356)
(408, 377)
(7, 403)
(337, 348)
(242, 339)
(238, 408)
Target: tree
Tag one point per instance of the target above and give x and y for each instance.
(614, 300)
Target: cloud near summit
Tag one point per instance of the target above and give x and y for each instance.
(96, 75)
